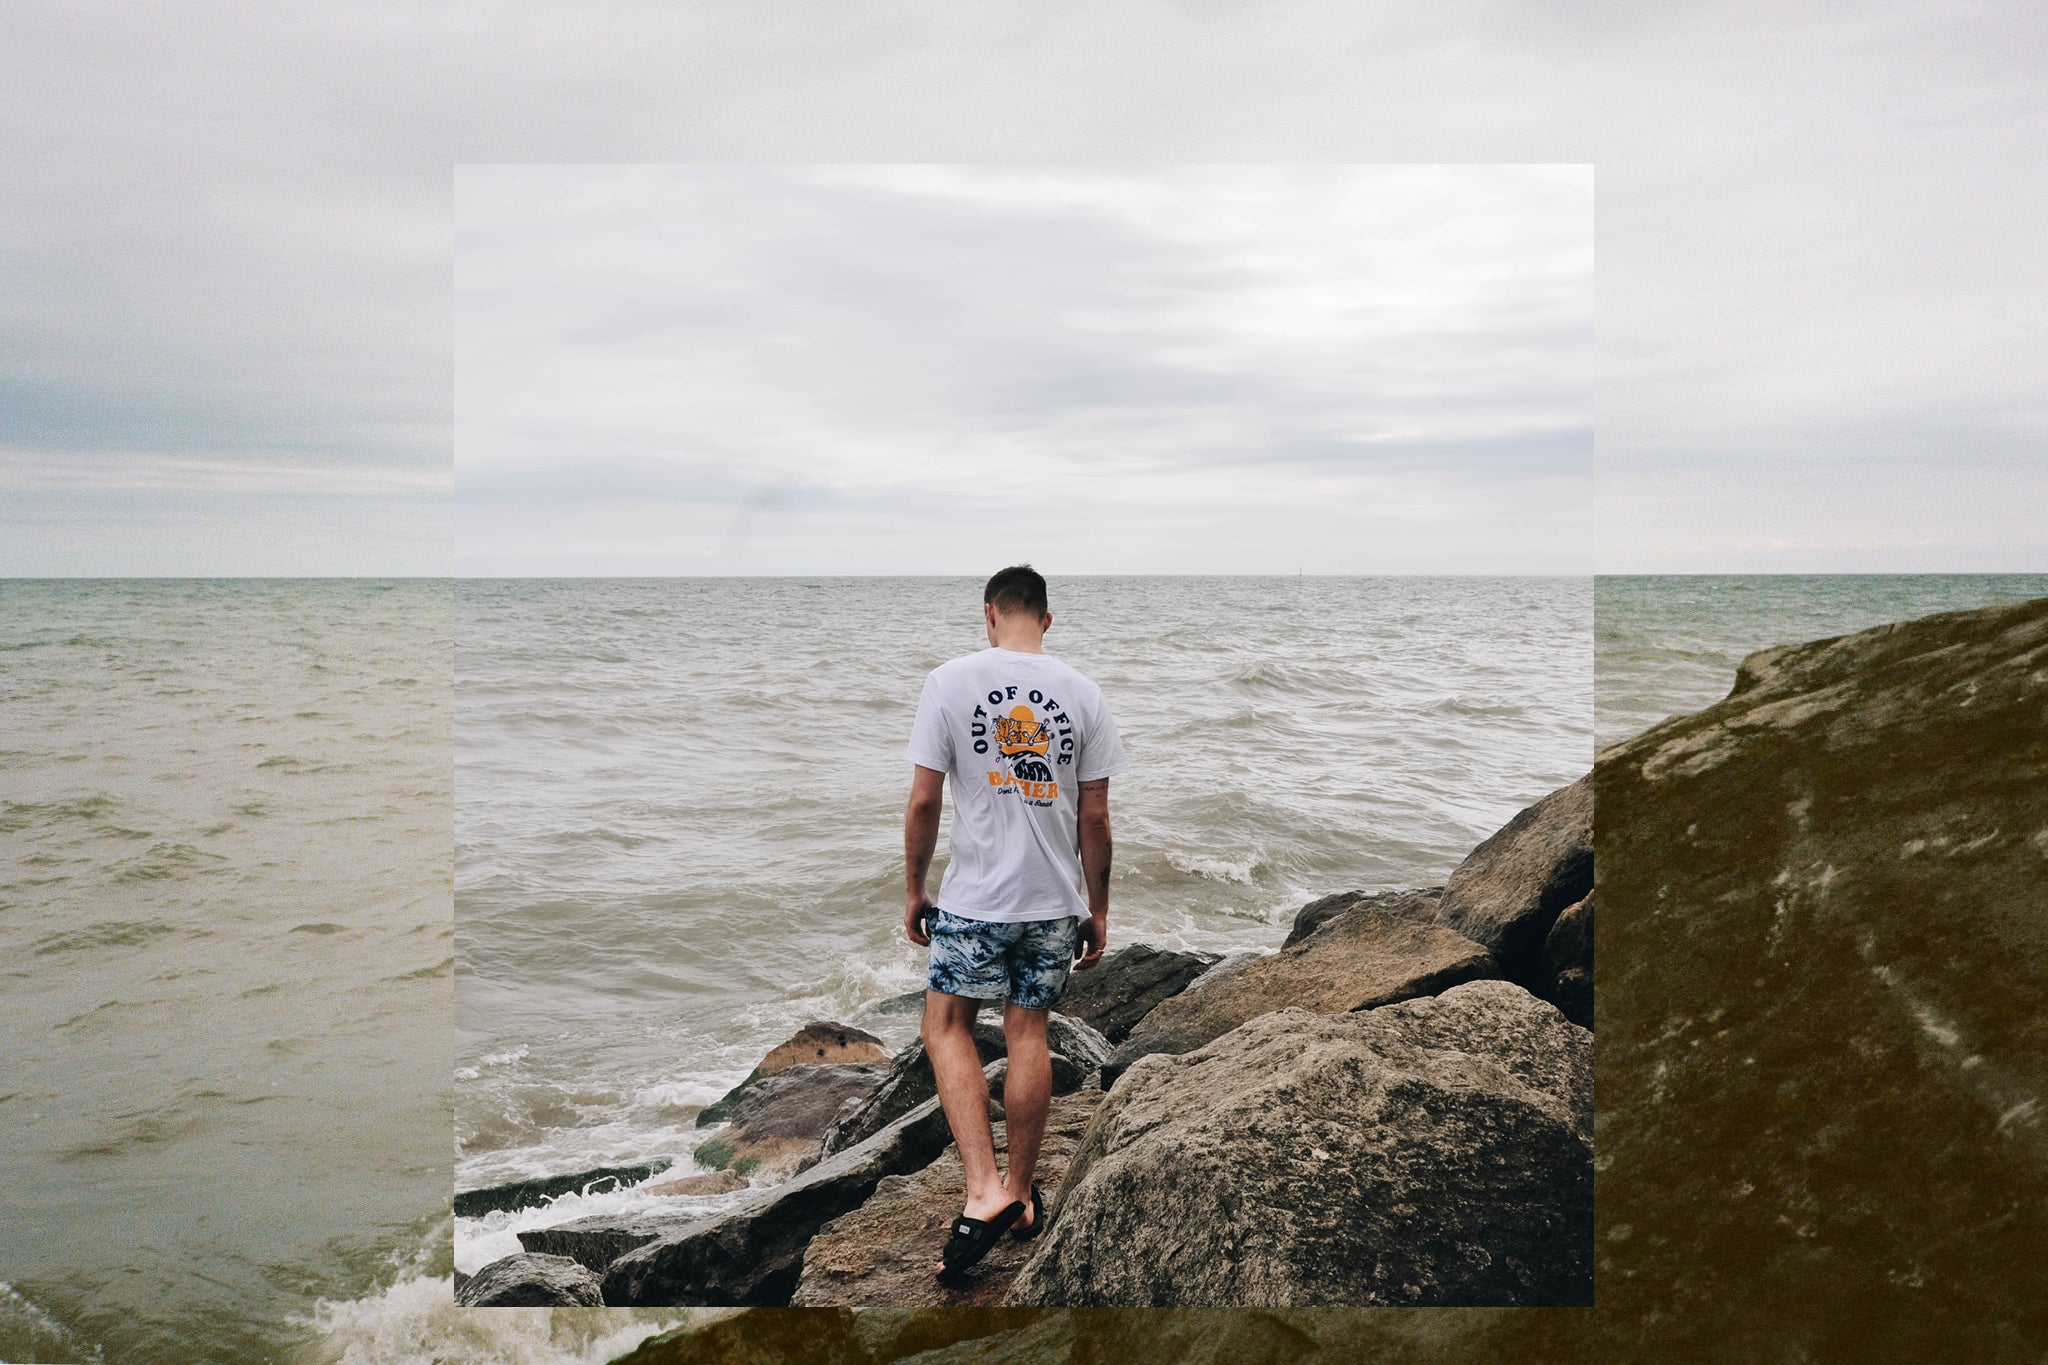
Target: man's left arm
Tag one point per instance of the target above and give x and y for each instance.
(920, 841)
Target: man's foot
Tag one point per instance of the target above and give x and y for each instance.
(971, 1239)
(981, 1210)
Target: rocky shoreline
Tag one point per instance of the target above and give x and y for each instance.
(1394, 1107)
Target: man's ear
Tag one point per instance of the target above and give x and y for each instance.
(1045, 623)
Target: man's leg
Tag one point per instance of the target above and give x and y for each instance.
(963, 1093)
(1027, 1095)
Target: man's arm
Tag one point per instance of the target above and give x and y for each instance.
(920, 840)
(1095, 858)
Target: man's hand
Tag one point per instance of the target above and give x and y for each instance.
(1089, 940)
(913, 921)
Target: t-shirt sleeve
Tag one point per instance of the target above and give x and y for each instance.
(1102, 749)
(931, 739)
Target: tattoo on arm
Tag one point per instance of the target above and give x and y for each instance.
(1108, 853)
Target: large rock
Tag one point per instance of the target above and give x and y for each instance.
(882, 1252)
(527, 1194)
(1512, 888)
(824, 1044)
(1436, 1151)
(1827, 974)
(1371, 955)
(1568, 960)
(597, 1240)
(528, 1281)
(1078, 1051)
(777, 1122)
(1420, 904)
(1186, 1336)
(815, 1044)
(752, 1253)
(1125, 986)
(910, 1083)
(697, 1186)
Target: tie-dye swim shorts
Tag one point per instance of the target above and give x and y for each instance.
(1026, 961)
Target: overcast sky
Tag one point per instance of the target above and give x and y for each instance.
(226, 232)
(928, 369)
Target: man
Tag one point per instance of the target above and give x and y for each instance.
(1030, 748)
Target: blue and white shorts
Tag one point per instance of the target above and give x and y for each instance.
(1026, 961)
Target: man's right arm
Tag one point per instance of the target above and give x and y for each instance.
(920, 841)
(1095, 859)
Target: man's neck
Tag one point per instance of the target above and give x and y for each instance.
(1022, 637)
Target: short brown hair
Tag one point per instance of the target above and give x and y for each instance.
(1019, 588)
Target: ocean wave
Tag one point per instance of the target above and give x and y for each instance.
(414, 1321)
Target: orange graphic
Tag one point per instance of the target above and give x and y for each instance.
(1037, 791)
(1021, 731)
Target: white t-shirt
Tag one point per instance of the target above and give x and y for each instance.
(1016, 734)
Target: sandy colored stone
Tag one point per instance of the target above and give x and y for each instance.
(881, 1253)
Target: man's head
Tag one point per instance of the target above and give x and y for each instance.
(1014, 605)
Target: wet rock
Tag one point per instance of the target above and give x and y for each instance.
(777, 1122)
(823, 1044)
(1313, 916)
(1187, 1336)
(1370, 955)
(908, 1084)
(528, 1281)
(1511, 889)
(1568, 955)
(594, 1242)
(1079, 1050)
(527, 1194)
(716, 1182)
(1435, 1151)
(882, 1252)
(815, 1044)
(752, 1253)
(1127, 984)
(1827, 952)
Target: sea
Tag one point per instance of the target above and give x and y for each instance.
(233, 936)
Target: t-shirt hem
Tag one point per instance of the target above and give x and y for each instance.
(1106, 772)
(932, 761)
(1015, 919)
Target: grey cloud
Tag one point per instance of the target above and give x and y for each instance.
(227, 227)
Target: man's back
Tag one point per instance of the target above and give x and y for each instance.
(1017, 732)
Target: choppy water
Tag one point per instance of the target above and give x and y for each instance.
(679, 806)
(1669, 644)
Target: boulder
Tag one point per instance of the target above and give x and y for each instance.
(597, 1240)
(882, 1252)
(716, 1182)
(528, 1281)
(908, 1085)
(1188, 1336)
(1125, 986)
(527, 1194)
(910, 1082)
(1568, 958)
(1311, 917)
(815, 1044)
(823, 1044)
(1432, 1152)
(1828, 920)
(778, 1120)
(1371, 955)
(751, 1254)
(1511, 889)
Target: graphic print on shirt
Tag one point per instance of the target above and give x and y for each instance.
(1030, 736)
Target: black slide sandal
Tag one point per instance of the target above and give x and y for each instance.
(972, 1238)
(1037, 1215)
